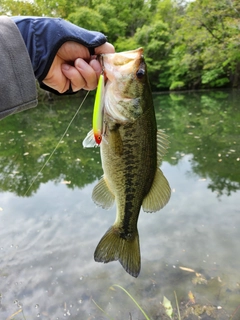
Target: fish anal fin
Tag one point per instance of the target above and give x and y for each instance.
(113, 247)
(102, 195)
(162, 146)
(159, 194)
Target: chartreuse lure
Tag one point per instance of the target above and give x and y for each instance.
(94, 137)
(98, 111)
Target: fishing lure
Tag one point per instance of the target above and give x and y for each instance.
(98, 111)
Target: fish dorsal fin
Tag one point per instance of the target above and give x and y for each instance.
(162, 146)
(102, 195)
(158, 195)
(89, 141)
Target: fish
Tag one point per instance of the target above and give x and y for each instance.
(131, 153)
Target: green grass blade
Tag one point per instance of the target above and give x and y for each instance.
(102, 310)
(179, 316)
(143, 312)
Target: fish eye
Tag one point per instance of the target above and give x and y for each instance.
(140, 73)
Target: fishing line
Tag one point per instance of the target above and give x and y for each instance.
(48, 159)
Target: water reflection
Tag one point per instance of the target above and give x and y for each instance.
(48, 239)
(205, 125)
(27, 139)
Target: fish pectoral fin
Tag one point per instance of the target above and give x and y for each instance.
(113, 247)
(89, 141)
(158, 195)
(102, 195)
(162, 146)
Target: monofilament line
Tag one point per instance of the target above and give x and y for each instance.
(48, 159)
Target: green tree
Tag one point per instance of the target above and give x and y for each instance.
(115, 27)
(88, 18)
(134, 13)
(187, 45)
(18, 7)
(155, 38)
(205, 53)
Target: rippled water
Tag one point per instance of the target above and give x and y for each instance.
(47, 237)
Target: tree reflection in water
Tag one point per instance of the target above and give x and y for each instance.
(203, 124)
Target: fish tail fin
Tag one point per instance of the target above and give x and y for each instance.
(114, 247)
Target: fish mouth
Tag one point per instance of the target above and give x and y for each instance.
(121, 62)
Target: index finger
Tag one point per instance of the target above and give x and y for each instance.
(105, 48)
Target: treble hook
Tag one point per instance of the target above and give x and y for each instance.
(101, 61)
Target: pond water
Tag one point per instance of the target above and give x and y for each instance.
(48, 236)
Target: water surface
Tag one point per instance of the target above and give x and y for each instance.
(48, 236)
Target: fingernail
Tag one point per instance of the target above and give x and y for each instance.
(78, 63)
(65, 66)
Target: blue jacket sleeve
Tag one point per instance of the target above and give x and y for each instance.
(44, 36)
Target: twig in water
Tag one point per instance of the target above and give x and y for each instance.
(14, 314)
(234, 312)
(179, 316)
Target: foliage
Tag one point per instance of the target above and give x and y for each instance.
(154, 38)
(187, 44)
(207, 42)
(88, 19)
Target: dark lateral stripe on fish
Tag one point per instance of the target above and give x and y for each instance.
(130, 207)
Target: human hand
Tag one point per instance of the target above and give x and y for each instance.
(74, 68)
(60, 53)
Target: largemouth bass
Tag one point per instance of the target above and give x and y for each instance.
(131, 152)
